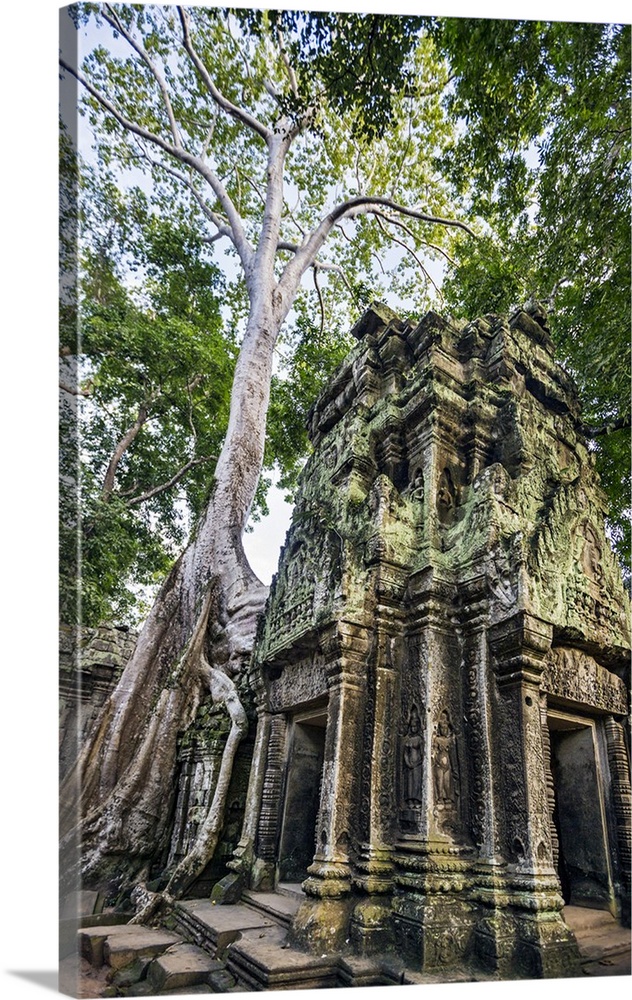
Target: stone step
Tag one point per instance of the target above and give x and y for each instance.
(293, 889)
(354, 970)
(279, 906)
(214, 927)
(122, 944)
(582, 919)
(606, 945)
(180, 966)
(261, 960)
(600, 938)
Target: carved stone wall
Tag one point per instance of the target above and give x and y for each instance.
(447, 591)
(90, 664)
(200, 752)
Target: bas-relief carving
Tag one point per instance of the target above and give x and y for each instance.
(307, 582)
(446, 497)
(445, 775)
(591, 554)
(417, 488)
(412, 761)
(502, 566)
(477, 744)
(574, 676)
(300, 681)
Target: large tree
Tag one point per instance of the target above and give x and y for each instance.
(310, 145)
(222, 109)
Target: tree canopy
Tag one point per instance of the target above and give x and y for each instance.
(544, 162)
(147, 390)
(521, 127)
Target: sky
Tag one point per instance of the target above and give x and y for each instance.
(29, 399)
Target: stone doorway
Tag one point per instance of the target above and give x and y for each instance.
(584, 865)
(302, 793)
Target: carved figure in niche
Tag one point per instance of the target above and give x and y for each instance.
(446, 497)
(383, 500)
(500, 577)
(591, 555)
(444, 765)
(417, 487)
(413, 760)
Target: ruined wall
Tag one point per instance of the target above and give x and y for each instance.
(90, 664)
(445, 589)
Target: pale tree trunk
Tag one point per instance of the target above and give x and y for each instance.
(116, 804)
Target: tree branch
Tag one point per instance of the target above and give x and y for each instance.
(319, 265)
(379, 216)
(286, 62)
(73, 391)
(121, 448)
(239, 114)
(111, 17)
(320, 299)
(171, 482)
(222, 225)
(349, 209)
(409, 232)
(601, 430)
(189, 159)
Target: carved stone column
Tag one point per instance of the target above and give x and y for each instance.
(486, 794)
(243, 860)
(373, 871)
(550, 788)
(323, 919)
(432, 917)
(533, 940)
(620, 777)
(264, 867)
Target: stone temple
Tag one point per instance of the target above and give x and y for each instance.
(442, 675)
(440, 768)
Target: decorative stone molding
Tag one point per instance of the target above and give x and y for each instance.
(574, 676)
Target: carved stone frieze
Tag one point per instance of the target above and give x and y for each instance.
(299, 681)
(576, 677)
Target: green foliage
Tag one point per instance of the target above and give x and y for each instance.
(312, 354)
(544, 159)
(151, 342)
(521, 125)
(359, 63)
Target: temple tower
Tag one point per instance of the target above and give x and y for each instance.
(442, 673)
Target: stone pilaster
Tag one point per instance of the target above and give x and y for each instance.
(550, 789)
(322, 921)
(244, 854)
(373, 869)
(264, 867)
(620, 777)
(532, 938)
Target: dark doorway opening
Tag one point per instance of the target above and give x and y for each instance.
(302, 795)
(579, 816)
